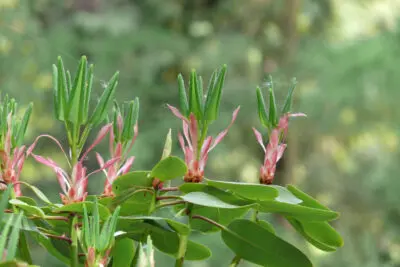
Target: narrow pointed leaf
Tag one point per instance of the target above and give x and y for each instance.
(287, 106)
(14, 237)
(27, 208)
(100, 111)
(24, 125)
(77, 97)
(273, 115)
(4, 200)
(194, 97)
(262, 110)
(63, 90)
(183, 101)
(212, 104)
(87, 94)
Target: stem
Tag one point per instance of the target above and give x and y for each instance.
(59, 237)
(179, 262)
(209, 221)
(201, 140)
(167, 197)
(74, 243)
(235, 261)
(167, 189)
(170, 204)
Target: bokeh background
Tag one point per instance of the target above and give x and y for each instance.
(344, 53)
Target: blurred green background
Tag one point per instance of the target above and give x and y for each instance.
(344, 53)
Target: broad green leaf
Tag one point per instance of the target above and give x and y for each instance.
(307, 200)
(287, 106)
(183, 102)
(285, 196)
(140, 202)
(221, 216)
(262, 109)
(266, 225)
(258, 245)
(297, 211)
(169, 224)
(27, 208)
(319, 234)
(169, 168)
(196, 252)
(136, 179)
(100, 111)
(27, 200)
(192, 187)
(104, 213)
(123, 252)
(247, 190)
(207, 200)
(214, 97)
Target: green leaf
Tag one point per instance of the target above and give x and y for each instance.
(23, 126)
(27, 208)
(214, 96)
(4, 233)
(38, 193)
(296, 211)
(307, 200)
(4, 200)
(285, 196)
(273, 115)
(104, 213)
(100, 111)
(207, 200)
(130, 120)
(194, 97)
(61, 90)
(266, 225)
(87, 93)
(123, 252)
(14, 237)
(247, 190)
(14, 263)
(48, 245)
(196, 252)
(262, 110)
(136, 179)
(27, 200)
(136, 202)
(167, 146)
(287, 106)
(169, 168)
(192, 187)
(319, 234)
(76, 99)
(168, 224)
(183, 102)
(258, 245)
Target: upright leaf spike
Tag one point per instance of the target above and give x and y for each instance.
(273, 115)
(288, 102)
(76, 101)
(214, 97)
(262, 110)
(195, 106)
(183, 101)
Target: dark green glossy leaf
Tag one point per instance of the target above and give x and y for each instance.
(123, 252)
(285, 196)
(247, 190)
(308, 201)
(266, 225)
(210, 200)
(169, 168)
(104, 213)
(196, 252)
(258, 245)
(140, 202)
(319, 234)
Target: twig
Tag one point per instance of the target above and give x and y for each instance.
(167, 197)
(167, 189)
(170, 203)
(209, 221)
(59, 237)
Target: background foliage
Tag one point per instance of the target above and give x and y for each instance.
(343, 53)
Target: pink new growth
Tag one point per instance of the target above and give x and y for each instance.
(122, 165)
(74, 186)
(196, 154)
(275, 148)
(12, 161)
